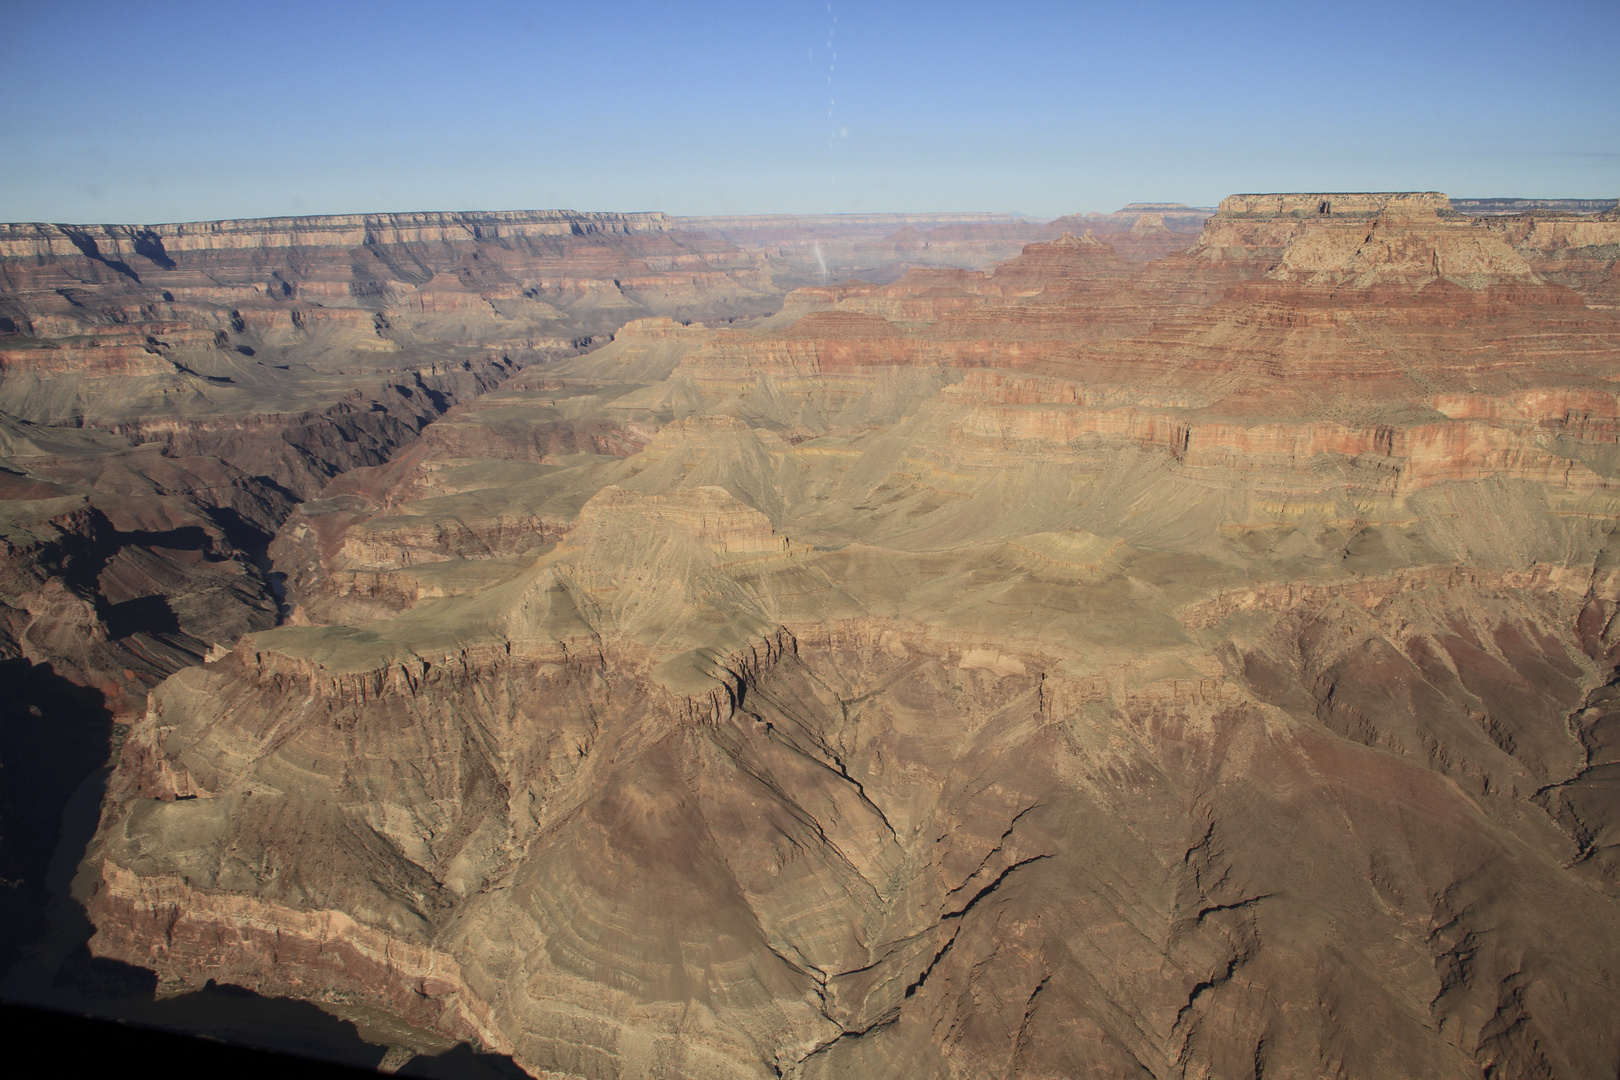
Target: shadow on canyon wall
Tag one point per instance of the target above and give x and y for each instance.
(57, 742)
(54, 737)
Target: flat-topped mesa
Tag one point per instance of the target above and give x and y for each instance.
(1400, 240)
(1337, 204)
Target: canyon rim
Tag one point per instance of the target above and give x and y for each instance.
(1171, 643)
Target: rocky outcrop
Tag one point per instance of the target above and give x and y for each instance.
(709, 514)
(168, 394)
(1189, 668)
(759, 835)
(1579, 251)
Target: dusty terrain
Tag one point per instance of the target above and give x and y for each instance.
(1113, 661)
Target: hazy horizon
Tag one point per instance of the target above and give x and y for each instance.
(183, 111)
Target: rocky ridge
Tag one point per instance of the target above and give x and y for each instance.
(168, 393)
(1195, 668)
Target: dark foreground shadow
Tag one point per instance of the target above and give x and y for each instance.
(61, 1044)
(54, 736)
(109, 1004)
(114, 1004)
(464, 1063)
(225, 1014)
(80, 1013)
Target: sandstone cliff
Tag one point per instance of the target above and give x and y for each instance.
(169, 393)
(1193, 669)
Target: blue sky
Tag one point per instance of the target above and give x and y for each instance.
(168, 110)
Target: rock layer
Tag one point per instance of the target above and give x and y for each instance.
(169, 393)
(1196, 668)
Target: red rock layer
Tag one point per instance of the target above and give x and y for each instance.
(1189, 669)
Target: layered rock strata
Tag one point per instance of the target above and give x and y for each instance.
(169, 393)
(1199, 668)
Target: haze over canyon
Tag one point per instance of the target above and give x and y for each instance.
(1175, 643)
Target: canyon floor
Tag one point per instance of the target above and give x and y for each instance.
(1164, 644)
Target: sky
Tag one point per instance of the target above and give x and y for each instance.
(148, 111)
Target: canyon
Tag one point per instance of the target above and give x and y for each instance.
(1173, 643)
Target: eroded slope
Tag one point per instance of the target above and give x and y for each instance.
(168, 394)
(1202, 669)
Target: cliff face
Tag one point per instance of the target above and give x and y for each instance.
(1579, 251)
(168, 393)
(154, 318)
(1198, 668)
(219, 372)
(1160, 653)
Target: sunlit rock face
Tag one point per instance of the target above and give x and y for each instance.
(169, 393)
(1193, 667)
